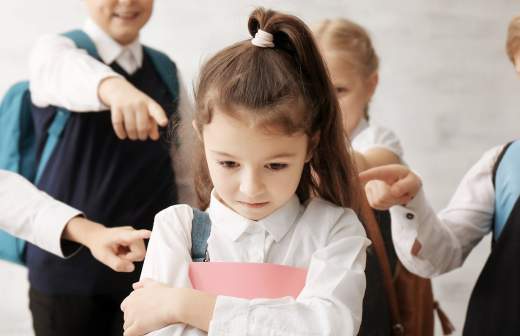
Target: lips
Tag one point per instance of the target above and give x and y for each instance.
(254, 205)
(130, 15)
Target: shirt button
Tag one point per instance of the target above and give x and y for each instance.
(410, 216)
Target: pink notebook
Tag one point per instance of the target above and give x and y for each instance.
(247, 280)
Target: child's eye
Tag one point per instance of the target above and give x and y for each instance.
(276, 166)
(341, 90)
(227, 164)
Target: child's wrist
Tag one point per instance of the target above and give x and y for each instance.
(81, 230)
(106, 88)
(194, 307)
(178, 309)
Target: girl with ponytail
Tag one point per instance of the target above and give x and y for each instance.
(279, 186)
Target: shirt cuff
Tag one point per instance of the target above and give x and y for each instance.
(230, 317)
(409, 223)
(50, 223)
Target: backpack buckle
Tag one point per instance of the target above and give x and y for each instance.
(206, 256)
(398, 329)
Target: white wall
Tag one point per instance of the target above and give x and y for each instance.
(446, 87)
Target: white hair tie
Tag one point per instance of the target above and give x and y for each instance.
(263, 39)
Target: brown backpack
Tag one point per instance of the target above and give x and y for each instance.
(410, 297)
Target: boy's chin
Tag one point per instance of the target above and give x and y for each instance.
(124, 36)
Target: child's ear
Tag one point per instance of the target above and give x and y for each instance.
(313, 143)
(372, 82)
(197, 130)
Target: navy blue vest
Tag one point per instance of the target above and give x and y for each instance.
(494, 306)
(114, 182)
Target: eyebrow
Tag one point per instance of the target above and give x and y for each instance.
(274, 157)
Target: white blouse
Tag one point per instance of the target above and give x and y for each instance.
(326, 239)
(447, 238)
(368, 136)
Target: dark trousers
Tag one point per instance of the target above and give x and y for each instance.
(66, 315)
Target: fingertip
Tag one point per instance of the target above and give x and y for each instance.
(122, 306)
(145, 234)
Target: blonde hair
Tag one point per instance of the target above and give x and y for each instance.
(513, 38)
(350, 39)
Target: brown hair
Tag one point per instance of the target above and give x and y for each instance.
(285, 89)
(352, 41)
(513, 38)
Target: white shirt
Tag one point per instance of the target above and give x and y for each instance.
(368, 136)
(327, 240)
(63, 75)
(447, 238)
(31, 214)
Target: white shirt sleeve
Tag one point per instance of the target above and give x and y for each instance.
(61, 74)
(447, 238)
(377, 137)
(168, 257)
(32, 215)
(329, 304)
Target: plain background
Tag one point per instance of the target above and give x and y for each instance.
(446, 88)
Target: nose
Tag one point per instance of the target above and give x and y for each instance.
(251, 184)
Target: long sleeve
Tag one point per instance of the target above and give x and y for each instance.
(63, 75)
(447, 238)
(334, 253)
(56, 64)
(168, 258)
(329, 304)
(31, 214)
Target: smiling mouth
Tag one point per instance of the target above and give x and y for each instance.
(127, 16)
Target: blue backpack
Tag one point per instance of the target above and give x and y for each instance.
(18, 141)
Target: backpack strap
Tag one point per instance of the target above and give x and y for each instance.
(82, 41)
(53, 136)
(374, 234)
(200, 230)
(506, 181)
(166, 68)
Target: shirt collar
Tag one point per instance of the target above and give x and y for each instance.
(109, 49)
(234, 225)
(361, 126)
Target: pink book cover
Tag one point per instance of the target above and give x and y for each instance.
(247, 280)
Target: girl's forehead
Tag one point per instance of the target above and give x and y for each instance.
(226, 134)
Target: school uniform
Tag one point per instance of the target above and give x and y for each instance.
(327, 240)
(367, 136)
(114, 182)
(448, 238)
(32, 215)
